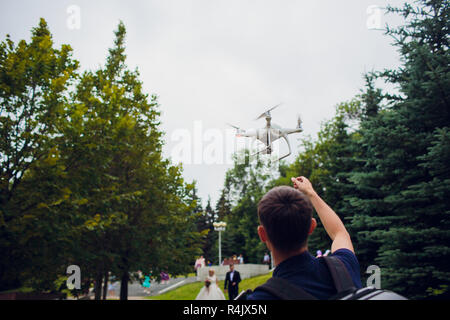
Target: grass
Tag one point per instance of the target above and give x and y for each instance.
(192, 274)
(190, 291)
(19, 290)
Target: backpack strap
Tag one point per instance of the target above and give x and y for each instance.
(284, 290)
(341, 278)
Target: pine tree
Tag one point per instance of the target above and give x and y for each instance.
(356, 164)
(401, 221)
(223, 205)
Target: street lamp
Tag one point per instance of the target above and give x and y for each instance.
(220, 226)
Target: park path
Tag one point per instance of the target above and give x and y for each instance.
(136, 291)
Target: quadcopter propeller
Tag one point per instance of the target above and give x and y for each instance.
(267, 113)
(237, 128)
(239, 131)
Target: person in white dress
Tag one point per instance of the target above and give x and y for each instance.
(200, 263)
(211, 290)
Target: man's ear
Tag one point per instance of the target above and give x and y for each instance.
(313, 226)
(262, 234)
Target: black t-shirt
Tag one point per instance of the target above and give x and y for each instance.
(312, 274)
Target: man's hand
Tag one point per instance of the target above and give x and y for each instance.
(303, 185)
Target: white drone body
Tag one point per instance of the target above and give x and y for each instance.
(270, 133)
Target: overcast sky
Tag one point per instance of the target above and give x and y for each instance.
(218, 61)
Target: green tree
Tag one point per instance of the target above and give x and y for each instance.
(83, 178)
(209, 216)
(126, 179)
(34, 79)
(401, 210)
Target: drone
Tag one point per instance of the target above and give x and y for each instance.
(270, 133)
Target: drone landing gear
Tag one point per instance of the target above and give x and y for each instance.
(285, 156)
(263, 151)
(289, 146)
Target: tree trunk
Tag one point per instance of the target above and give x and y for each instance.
(105, 285)
(124, 286)
(98, 286)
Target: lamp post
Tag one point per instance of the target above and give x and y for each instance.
(220, 226)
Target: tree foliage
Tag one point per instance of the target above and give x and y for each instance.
(400, 211)
(83, 178)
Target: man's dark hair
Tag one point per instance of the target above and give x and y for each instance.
(285, 213)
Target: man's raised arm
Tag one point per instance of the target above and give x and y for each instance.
(330, 220)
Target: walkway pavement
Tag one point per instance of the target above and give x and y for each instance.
(136, 291)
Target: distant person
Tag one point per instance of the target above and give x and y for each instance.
(286, 221)
(112, 289)
(209, 263)
(227, 261)
(211, 290)
(164, 277)
(232, 280)
(266, 259)
(199, 263)
(320, 254)
(146, 284)
(241, 259)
